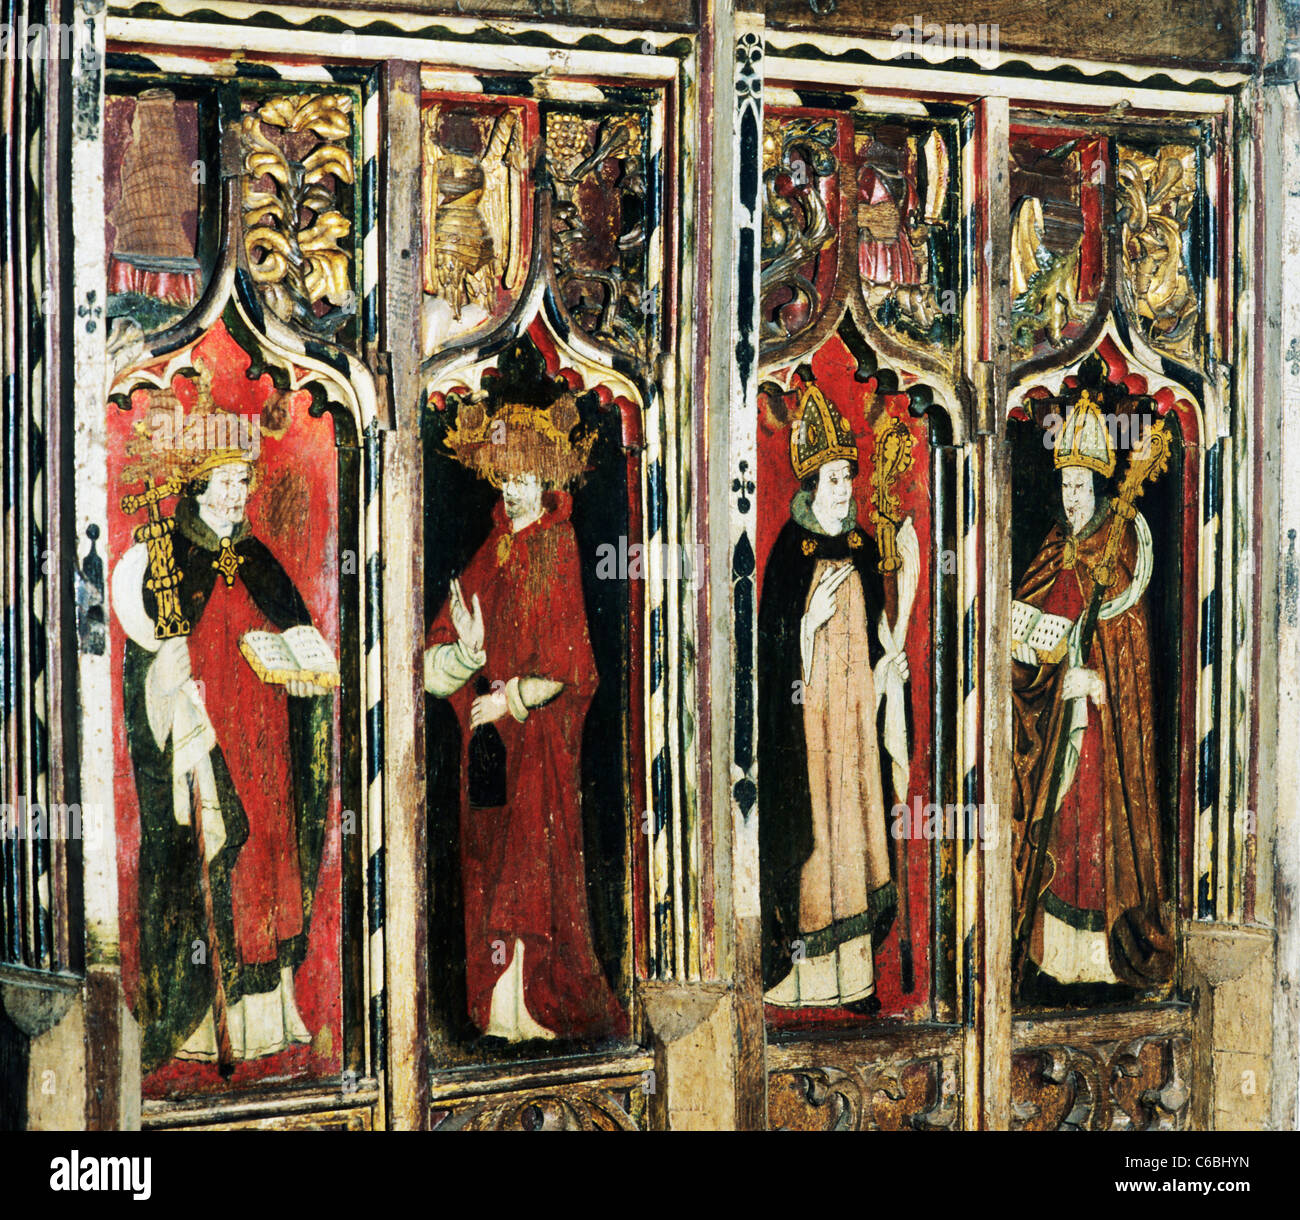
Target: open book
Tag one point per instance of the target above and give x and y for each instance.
(299, 654)
(1044, 633)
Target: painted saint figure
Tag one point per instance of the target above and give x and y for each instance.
(827, 655)
(1100, 915)
(510, 651)
(224, 759)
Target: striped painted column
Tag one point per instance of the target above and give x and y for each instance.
(745, 238)
(26, 927)
(1211, 848)
(368, 276)
(968, 728)
(374, 749)
(369, 183)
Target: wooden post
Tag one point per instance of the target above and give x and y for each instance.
(993, 949)
(401, 526)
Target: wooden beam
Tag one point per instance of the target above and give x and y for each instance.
(402, 534)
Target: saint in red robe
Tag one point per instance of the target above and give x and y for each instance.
(270, 769)
(1101, 913)
(522, 863)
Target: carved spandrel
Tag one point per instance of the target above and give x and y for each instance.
(1058, 187)
(296, 162)
(151, 189)
(619, 1107)
(476, 217)
(1156, 196)
(862, 215)
(800, 221)
(600, 228)
(1133, 1085)
(896, 1095)
(903, 214)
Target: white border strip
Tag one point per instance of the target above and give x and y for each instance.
(927, 58)
(957, 85)
(371, 48)
(412, 21)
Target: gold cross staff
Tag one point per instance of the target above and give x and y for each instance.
(164, 579)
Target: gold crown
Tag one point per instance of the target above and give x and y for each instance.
(218, 457)
(820, 435)
(1084, 439)
(175, 446)
(519, 439)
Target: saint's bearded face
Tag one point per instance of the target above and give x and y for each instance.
(834, 491)
(1077, 496)
(522, 496)
(226, 496)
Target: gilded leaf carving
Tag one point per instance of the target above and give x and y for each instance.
(1156, 198)
(292, 223)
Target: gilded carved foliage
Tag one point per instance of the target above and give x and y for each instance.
(1137, 1084)
(798, 160)
(908, 1094)
(1156, 195)
(597, 172)
(296, 156)
(618, 1107)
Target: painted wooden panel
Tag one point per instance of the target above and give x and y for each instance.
(232, 555)
(1112, 274)
(861, 289)
(1116, 32)
(545, 569)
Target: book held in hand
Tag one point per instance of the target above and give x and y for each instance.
(1044, 633)
(297, 655)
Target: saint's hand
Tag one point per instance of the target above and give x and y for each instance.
(909, 548)
(1084, 683)
(301, 689)
(469, 626)
(822, 603)
(488, 708)
(899, 662)
(173, 663)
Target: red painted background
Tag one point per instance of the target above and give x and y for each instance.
(311, 559)
(834, 368)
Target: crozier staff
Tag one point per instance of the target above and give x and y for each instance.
(1091, 898)
(827, 655)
